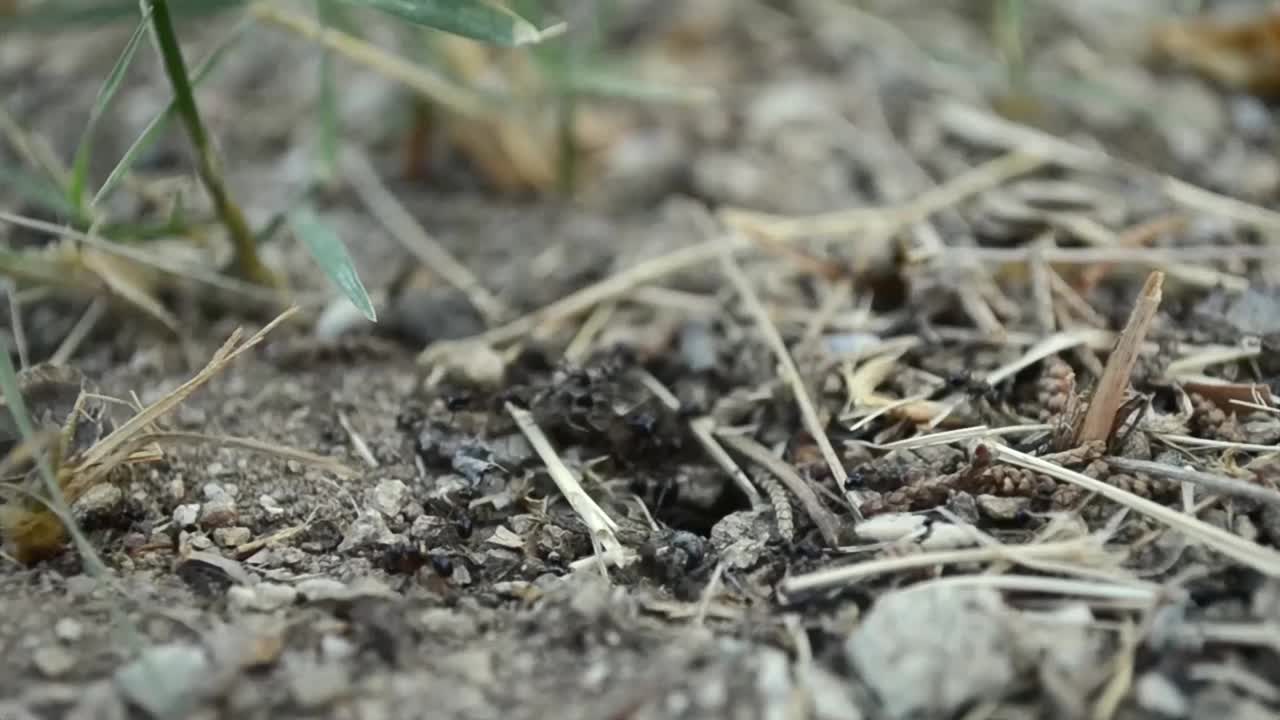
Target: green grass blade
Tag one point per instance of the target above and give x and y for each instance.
(475, 19)
(152, 131)
(80, 168)
(37, 191)
(329, 122)
(61, 15)
(329, 252)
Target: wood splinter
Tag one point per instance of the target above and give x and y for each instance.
(1108, 394)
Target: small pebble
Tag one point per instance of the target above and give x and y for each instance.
(53, 660)
(1002, 509)
(269, 504)
(388, 497)
(185, 516)
(263, 597)
(1157, 694)
(68, 629)
(100, 500)
(316, 684)
(164, 681)
(219, 510)
(335, 648)
(230, 537)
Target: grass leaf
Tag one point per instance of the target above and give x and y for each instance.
(329, 252)
(475, 19)
(80, 168)
(328, 101)
(152, 131)
(61, 15)
(37, 191)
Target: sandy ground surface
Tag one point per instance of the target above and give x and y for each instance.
(440, 571)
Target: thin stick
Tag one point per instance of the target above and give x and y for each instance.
(704, 603)
(1190, 441)
(891, 218)
(790, 374)
(1051, 345)
(1217, 483)
(1109, 393)
(583, 300)
(79, 332)
(703, 429)
(827, 523)
(601, 526)
(946, 437)
(384, 206)
(1154, 257)
(1264, 560)
(838, 576)
(1197, 198)
(19, 333)
(357, 441)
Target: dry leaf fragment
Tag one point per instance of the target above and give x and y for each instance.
(1242, 55)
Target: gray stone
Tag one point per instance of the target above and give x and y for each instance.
(68, 629)
(53, 660)
(1157, 694)
(313, 684)
(232, 536)
(166, 681)
(1002, 509)
(263, 597)
(929, 652)
(99, 500)
(219, 508)
(388, 497)
(367, 530)
(185, 516)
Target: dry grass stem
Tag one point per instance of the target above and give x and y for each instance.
(283, 452)
(1052, 345)
(887, 220)
(1204, 357)
(1211, 203)
(1264, 560)
(585, 299)
(148, 259)
(1150, 257)
(602, 527)
(827, 523)
(106, 453)
(947, 437)
(582, 342)
(703, 429)
(984, 128)
(1220, 484)
(1070, 550)
(1187, 441)
(1109, 393)
(357, 441)
(787, 366)
(67, 348)
(423, 81)
(384, 206)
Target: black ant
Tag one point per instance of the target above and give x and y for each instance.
(964, 381)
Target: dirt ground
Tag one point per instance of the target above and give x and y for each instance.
(925, 260)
